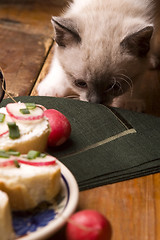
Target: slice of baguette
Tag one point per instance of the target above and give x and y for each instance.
(29, 185)
(6, 230)
(38, 143)
(33, 134)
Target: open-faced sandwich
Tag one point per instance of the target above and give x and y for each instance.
(23, 126)
(29, 179)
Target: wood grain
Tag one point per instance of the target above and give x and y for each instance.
(132, 207)
(33, 16)
(129, 206)
(26, 36)
(21, 58)
(44, 70)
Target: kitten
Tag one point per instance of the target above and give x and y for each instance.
(102, 48)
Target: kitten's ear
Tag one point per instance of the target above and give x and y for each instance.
(66, 31)
(138, 43)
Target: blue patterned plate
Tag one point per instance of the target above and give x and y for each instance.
(46, 219)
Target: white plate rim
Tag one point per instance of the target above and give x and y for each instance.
(54, 226)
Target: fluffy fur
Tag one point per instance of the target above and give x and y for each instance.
(102, 49)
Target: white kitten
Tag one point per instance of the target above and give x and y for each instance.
(102, 48)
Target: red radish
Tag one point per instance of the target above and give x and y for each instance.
(13, 110)
(60, 127)
(88, 225)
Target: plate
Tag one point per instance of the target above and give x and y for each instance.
(46, 219)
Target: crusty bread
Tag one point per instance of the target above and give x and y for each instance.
(28, 185)
(33, 134)
(6, 230)
(37, 143)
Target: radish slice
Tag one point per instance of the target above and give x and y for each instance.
(46, 161)
(37, 163)
(13, 110)
(4, 127)
(6, 163)
(2, 133)
(43, 108)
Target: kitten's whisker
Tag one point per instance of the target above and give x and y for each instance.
(120, 86)
(128, 81)
(116, 82)
(128, 78)
(130, 86)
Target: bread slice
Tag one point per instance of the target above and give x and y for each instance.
(33, 133)
(25, 143)
(28, 185)
(6, 230)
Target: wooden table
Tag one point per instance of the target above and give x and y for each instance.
(132, 207)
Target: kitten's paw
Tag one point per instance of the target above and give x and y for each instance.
(136, 105)
(46, 89)
(56, 88)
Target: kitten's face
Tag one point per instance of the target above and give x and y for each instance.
(99, 78)
(101, 69)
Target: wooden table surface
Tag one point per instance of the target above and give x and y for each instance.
(26, 46)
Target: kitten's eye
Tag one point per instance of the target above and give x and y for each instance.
(80, 83)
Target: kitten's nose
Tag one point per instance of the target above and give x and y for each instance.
(95, 99)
